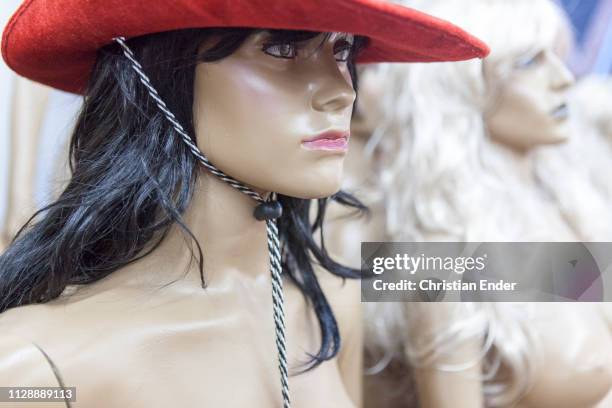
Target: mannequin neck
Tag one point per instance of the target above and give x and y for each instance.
(522, 162)
(233, 242)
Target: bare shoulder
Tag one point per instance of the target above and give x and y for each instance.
(23, 364)
(24, 322)
(62, 315)
(57, 331)
(20, 361)
(28, 349)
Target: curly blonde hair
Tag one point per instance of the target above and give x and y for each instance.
(444, 179)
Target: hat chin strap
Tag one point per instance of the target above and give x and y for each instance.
(267, 211)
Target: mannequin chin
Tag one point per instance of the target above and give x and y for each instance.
(529, 108)
(255, 114)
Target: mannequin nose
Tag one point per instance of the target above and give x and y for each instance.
(330, 99)
(333, 92)
(562, 77)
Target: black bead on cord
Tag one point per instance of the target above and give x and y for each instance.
(269, 210)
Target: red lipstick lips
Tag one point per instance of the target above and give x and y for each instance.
(332, 141)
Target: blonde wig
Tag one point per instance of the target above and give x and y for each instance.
(444, 179)
(591, 100)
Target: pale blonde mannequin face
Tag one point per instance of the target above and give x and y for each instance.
(529, 107)
(253, 111)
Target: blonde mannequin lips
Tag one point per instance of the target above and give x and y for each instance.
(561, 112)
(331, 141)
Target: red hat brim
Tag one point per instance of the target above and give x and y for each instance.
(55, 42)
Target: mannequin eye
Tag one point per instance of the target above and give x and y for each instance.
(282, 50)
(342, 50)
(529, 60)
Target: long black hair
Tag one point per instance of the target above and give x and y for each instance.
(132, 178)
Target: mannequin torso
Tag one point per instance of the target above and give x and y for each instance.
(574, 359)
(572, 365)
(182, 345)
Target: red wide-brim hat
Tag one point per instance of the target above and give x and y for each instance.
(55, 41)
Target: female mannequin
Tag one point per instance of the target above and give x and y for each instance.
(235, 264)
(111, 255)
(464, 171)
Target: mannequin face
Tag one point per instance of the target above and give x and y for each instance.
(258, 110)
(529, 107)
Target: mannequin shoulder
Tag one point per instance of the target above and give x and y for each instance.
(61, 326)
(34, 322)
(25, 322)
(26, 343)
(23, 364)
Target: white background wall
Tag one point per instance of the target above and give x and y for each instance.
(57, 122)
(6, 88)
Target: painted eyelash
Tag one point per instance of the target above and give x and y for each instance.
(267, 46)
(346, 46)
(528, 60)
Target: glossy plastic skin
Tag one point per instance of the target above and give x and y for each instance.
(132, 340)
(269, 106)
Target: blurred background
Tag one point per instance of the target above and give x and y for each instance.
(35, 124)
(591, 20)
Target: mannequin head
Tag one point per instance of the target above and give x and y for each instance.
(255, 109)
(524, 79)
(248, 102)
(435, 119)
(527, 79)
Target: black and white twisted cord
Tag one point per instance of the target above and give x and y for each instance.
(269, 216)
(278, 301)
(144, 79)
